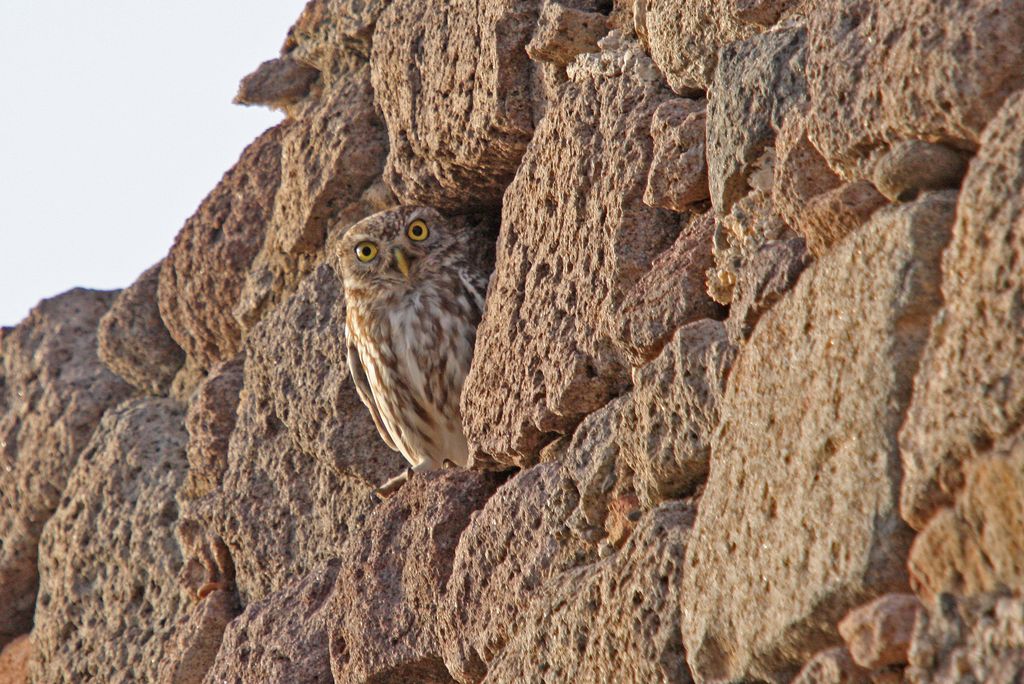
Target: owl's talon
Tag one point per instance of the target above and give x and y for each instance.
(210, 587)
(393, 485)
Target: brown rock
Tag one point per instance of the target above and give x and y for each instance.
(304, 457)
(831, 216)
(508, 553)
(383, 611)
(14, 660)
(878, 634)
(453, 82)
(108, 555)
(801, 173)
(971, 387)
(53, 392)
(763, 12)
(278, 83)
(563, 32)
(332, 35)
(210, 421)
(614, 621)
(133, 341)
(197, 640)
(679, 170)
(979, 640)
(684, 39)
(202, 276)
(978, 546)
(765, 277)
(666, 423)
(282, 638)
(883, 71)
(834, 666)
(914, 166)
(670, 295)
(785, 543)
(569, 251)
(756, 82)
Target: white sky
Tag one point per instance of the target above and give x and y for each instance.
(115, 121)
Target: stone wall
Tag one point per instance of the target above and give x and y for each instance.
(747, 400)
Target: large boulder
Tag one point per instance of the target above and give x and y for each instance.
(53, 392)
(108, 558)
(799, 520)
(576, 236)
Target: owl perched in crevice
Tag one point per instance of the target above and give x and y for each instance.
(414, 288)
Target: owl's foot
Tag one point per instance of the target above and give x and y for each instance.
(393, 485)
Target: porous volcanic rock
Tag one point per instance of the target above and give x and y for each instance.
(197, 639)
(109, 554)
(756, 82)
(878, 634)
(512, 547)
(53, 392)
(454, 84)
(971, 387)
(883, 71)
(282, 638)
(564, 32)
(201, 278)
(799, 522)
(765, 277)
(211, 417)
(678, 178)
(304, 456)
(832, 666)
(975, 640)
(670, 295)
(133, 340)
(279, 83)
(568, 253)
(383, 624)
(978, 545)
(684, 39)
(575, 630)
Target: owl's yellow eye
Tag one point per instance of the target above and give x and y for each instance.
(366, 252)
(418, 230)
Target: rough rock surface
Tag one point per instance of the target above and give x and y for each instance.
(53, 392)
(14, 659)
(834, 666)
(510, 550)
(977, 546)
(765, 278)
(133, 341)
(679, 170)
(197, 639)
(883, 71)
(878, 634)
(576, 632)
(385, 604)
(684, 39)
(282, 638)
(567, 254)
(109, 554)
(765, 582)
(201, 278)
(757, 82)
(971, 390)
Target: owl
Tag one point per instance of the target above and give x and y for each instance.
(414, 290)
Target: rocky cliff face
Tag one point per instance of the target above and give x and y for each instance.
(746, 402)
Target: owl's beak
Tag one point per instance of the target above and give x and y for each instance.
(401, 261)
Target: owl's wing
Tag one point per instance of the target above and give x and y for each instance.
(358, 373)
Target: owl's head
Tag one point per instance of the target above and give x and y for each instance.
(395, 250)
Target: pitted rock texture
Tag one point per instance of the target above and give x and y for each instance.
(133, 341)
(883, 71)
(678, 178)
(454, 84)
(201, 278)
(511, 549)
(197, 639)
(210, 421)
(108, 555)
(765, 581)
(53, 392)
(971, 390)
(833, 666)
(575, 632)
(765, 278)
(878, 634)
(282, 638)
(385, 604)
(756, 82)
(684, 39)
(567, 255)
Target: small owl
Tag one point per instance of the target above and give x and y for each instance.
(414, 290)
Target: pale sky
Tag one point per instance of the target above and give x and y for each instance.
(115, 121)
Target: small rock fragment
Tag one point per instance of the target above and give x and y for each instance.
(277, 83)
(678, 178)
(834, 666)
(878, 634)
(563, 32)
(914, 166)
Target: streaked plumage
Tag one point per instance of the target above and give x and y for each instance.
(412, 312)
